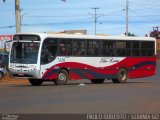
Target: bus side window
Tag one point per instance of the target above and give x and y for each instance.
(109, 48)
(49, 49)
(63, 50)
(93, 48)
(65, 47)
(147, 48)
(123, 48)
(136, 48)
(78, 47)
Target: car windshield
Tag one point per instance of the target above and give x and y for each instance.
(24, 52)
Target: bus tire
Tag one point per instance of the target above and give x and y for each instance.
(115, 80)
(122, 76)
(97, 81)
(36, 82)
(62, 78)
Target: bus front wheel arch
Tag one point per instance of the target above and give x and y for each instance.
(122, 76)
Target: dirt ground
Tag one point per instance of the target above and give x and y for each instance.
(9, 80)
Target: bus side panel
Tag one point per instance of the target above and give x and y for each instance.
(141, 73)
(80, 71)
(136, 67)
(142, 67)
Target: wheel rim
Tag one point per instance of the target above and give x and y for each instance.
(62, 77)
(123, 76)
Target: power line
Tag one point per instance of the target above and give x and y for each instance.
(70, 22)
(38, 16)
(11, 26)
(138, 15)
(150, 8)
(81, 22)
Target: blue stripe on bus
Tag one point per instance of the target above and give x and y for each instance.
(50, 73)
(79, 72)
(95, 75)
(141, 64)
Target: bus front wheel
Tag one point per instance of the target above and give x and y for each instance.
(36, 82)
(122, 76)
(62, 78)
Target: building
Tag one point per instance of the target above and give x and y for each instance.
(3, 39)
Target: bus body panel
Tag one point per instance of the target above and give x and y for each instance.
(24, 70)
(136, 67)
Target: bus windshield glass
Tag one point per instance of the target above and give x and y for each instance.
(24, 52)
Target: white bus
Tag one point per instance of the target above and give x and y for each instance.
(57, 57)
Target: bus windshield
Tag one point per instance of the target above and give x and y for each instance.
(24, 52)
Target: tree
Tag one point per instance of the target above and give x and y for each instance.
(130, 34)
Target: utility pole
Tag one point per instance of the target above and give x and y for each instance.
(18, 16)
(127, 6)
(95, 20)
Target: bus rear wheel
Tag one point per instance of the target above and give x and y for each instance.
(122, 76)
(36, 82)
(97, 81)
(62, 78)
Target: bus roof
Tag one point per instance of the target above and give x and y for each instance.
(101, 37)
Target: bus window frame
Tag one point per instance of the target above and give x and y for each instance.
(101, 54)
(42, 50)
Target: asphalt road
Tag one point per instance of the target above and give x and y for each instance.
(135, 96)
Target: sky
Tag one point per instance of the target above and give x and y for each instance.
(57, 16)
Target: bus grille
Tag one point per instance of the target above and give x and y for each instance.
(22, 75)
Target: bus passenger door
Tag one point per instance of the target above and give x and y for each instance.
(48, 55)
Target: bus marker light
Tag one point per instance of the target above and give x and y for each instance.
(56, 67)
